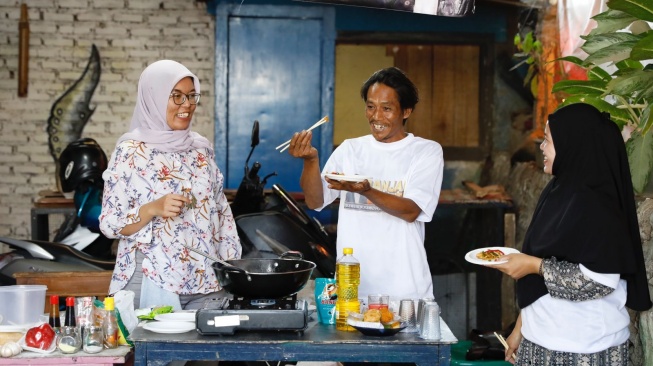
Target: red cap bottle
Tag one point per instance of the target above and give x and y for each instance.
(71, 318)
(54, 320)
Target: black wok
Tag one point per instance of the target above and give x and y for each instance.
(264, 278)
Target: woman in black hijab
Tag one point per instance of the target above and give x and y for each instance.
(582, 258)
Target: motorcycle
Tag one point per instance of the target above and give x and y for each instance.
(268, 225)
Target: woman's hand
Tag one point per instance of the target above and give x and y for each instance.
(169, 205)
(513, 344)
(513, 341)
(518, 265)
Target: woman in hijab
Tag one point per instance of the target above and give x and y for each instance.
(162, 192)
(582, 260)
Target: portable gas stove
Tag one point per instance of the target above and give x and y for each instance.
(225, 316)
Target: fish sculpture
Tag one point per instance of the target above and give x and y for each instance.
(71, 112)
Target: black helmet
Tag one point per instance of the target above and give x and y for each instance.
(81, 163)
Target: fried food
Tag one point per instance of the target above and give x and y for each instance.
(489, 255)
(372, 315)
(386, 315)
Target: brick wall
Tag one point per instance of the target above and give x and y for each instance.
(129, 35)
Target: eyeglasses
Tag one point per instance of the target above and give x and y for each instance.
(180, 98)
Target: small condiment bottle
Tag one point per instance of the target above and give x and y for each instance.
(110, 325)
(53, 318)
(71, 318)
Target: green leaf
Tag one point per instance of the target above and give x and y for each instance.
(642, 9)
(517, 40)
(647, 93)
(640, 157)
(613, 53)
(527, 45)
(600, 41)
(611, 20)
(643, 49)
(629, 64)
(586, 87)
(534, 86)
(646, 119)
(597, 73)
(632, 84)
(620, 116)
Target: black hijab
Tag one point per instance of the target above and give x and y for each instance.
(586, 214)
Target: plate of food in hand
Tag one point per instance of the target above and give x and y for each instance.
(355, 178)
(376, 322)
(489, 255)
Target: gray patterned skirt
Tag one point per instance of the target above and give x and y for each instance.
(530, 353)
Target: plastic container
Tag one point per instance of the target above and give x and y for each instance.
(348, 277)
(22, 304)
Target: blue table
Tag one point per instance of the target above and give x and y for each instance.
(317, 343)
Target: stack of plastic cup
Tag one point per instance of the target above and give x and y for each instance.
(430, 321)
(420, 306)
(407, 314)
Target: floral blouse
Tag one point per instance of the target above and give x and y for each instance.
(138, 174)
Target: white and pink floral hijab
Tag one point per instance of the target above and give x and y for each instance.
(148, 122)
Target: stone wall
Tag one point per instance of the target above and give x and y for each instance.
(129, 35)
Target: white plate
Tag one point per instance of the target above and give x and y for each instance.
(169, 327)
(471, 256)
(176, 317)
(348, 178)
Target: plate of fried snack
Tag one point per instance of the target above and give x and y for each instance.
(376, 322)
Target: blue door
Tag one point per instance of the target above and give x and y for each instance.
(274, 64)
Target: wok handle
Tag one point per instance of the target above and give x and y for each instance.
(292, 253)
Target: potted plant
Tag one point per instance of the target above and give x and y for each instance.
(627, 92)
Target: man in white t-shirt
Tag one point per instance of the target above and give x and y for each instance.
(381, 218)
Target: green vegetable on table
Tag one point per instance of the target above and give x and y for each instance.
(156, 311)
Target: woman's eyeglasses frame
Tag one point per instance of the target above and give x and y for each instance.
(192, 98)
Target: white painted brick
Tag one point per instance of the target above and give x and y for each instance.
(74, 4)
(44, 180)
(117, 32)
(143, 4)
(110, 4)
(28, 169)
(146, 32)
(40, 29)
(93, 16)
(179, 31)
(58, 17)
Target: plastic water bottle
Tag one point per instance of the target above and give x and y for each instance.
(348, 277)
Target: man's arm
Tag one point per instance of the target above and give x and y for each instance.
(311, 183)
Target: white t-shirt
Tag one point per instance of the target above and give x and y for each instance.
(579, 326)
(390, 250)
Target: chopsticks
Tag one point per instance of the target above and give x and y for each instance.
(319, 123)
(505, 344)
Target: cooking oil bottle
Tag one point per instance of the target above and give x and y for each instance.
(348, 277)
